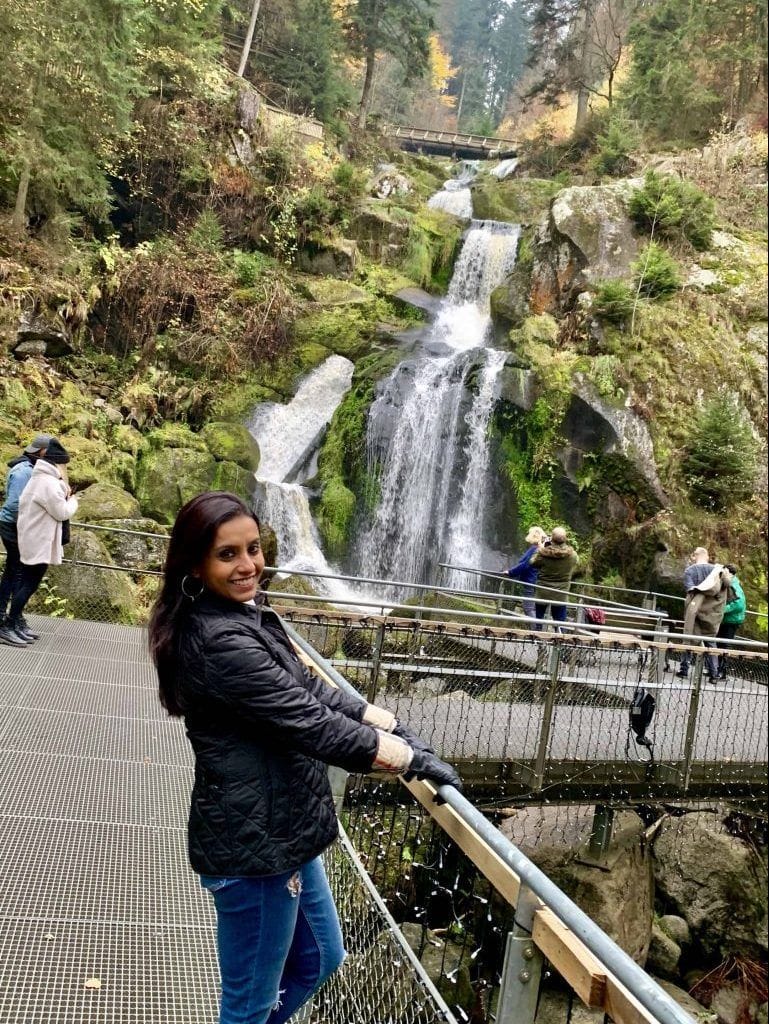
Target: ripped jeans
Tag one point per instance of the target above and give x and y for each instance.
(279, 940)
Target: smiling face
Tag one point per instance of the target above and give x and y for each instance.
(234, 564)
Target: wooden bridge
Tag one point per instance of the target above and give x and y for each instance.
(450, 143)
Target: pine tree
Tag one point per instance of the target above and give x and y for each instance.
(720, 460)
(398, 27)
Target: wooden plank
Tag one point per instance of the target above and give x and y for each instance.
(489, 863)
(623, 1008)
(570, 958)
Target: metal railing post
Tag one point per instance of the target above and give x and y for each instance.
(691, 721)
(522, 967)
(547, 716)
(376, 661)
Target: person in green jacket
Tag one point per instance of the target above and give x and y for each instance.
(734, 616)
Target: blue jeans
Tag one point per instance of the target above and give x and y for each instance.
(529, 607)
(279, 940)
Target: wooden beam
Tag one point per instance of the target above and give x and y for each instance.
(570, 958)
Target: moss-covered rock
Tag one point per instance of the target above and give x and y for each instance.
(328, 291)
(381, 229)
(134, 548)
(94, 460)
(232, 442)
(542, 329)
(517, 201)
(335, 513)
(88, 592)
(231, 477)
(176, 435)
(105, 501)
(170, 477)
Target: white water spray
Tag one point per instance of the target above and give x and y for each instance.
(288, 438)
(427, 428)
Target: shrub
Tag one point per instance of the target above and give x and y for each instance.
(656, 272)
(613, 302)
(720, 461)
(350, 183)
(250, 266)
(207, 234)
(614, 147)
(674, 208)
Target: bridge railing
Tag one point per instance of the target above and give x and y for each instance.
(438, 860)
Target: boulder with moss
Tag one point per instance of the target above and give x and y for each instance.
(329, 291)
(176, 435)
(335, 257)
(135, 542)
(93, 460)
(170, 477)
(229, 476)
(106, 595)
(105, 501)
(381, 229)
(518, 201)
(232, 442)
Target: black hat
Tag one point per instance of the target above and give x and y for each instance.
(56, 453)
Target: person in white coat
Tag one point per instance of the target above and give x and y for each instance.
(45, 503)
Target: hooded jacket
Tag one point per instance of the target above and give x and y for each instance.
(19, 472)
(555, 564)
(43, 507)
(263, 729)
(734, 612)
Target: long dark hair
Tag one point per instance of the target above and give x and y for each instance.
(192, 536)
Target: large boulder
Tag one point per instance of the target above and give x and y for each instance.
(382, 230)
(229, 476)
(176, 435)
(44, 334)
(594, 425)
(170, 477)
(620, 898)
(595, 221)
(716, 882)
(232, 442)
(695, 1010)
(336, 257)
(105, 501)
(92, 593)
(138, 548)
(518, 201)
(330, 291)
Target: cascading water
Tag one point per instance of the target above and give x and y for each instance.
(455, 196)
(288, 438)
(505, 168)
(426, 438)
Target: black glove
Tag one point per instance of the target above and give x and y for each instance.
(427, 766)
(414, 741)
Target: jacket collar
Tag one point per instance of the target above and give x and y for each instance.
(46, 469)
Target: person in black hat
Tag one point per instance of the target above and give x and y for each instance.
(45, 504)
(19, 472)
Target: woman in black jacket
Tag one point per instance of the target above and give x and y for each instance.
(262, 728)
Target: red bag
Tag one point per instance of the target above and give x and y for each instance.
(595, 616)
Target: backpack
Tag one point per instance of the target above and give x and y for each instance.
(641, 714)
(595, 616)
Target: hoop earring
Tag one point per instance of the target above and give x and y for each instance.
(191, 597)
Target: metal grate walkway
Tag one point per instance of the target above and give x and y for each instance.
(101, 919)
(96, 889)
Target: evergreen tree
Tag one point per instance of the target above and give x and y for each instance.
(694, 63)
(720, 459)
(303, 57)
(398, 27)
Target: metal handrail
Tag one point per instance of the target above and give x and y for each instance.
(651, 996)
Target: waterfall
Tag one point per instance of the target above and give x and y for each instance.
(505, 168)
(288, 438)
(427, 429)
(455, 196)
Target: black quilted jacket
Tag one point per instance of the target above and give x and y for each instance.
(263, 729)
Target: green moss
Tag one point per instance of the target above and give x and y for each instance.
(232, 442)
(176, 435)
(517, 201)
(342, 471)
(432, 245)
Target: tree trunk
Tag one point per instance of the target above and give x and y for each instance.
(19, 218)
(246, 52)
(368, 87)
(583, 93)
